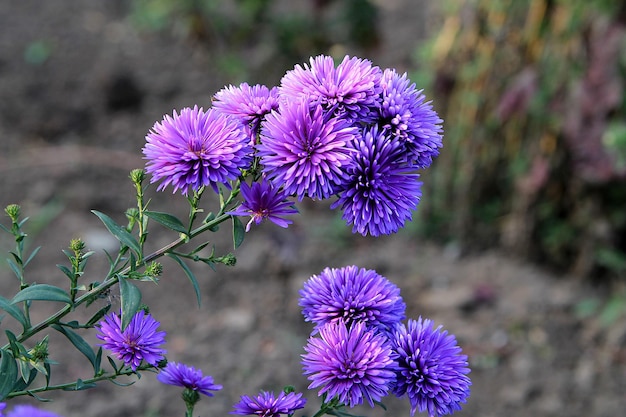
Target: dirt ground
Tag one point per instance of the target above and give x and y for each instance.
(79, 89)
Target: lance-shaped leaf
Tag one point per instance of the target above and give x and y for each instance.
(14, 311)
(79, 343)
(8, 373)
(167, 220)
(131, 300)
(190, 275)
(239, 232)
(42, 292)
(119, 232)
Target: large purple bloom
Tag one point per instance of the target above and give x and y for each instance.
(266, 404)
(352, 364)
(349, 91)
(406, 116)
(139, 341)
(249, 104)
(29, 411)
(432, 371)
(351, 295)
(196, 149)
(181, 375)
(381, 191)
(262, 200)
(305, 151)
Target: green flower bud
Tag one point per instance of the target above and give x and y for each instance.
(155, 269)
(228, 260)
(13, 211)
(77, 246)
(137, 176)
(39, 353)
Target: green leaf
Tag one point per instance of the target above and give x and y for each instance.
(190, 275)
(167, 220)
(14, 311)
(239, 232)
(80, 385)
(131, 300)
(8, 373)
(32, 255)
(79, 343)
(68, 273)
(42, 292)
(119, 232)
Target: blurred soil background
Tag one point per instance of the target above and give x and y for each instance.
(519, 244)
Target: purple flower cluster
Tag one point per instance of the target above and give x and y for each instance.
(188, 377)
(23, 410)
(266, 404)
(139, 341)
(361, 350)
(350, 131)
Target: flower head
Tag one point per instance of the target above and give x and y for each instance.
(139, 341)
(262, 200)
(29, 411)
(381, 191)
(266, 404)
(181, 375)
(196, 149)
(305, 151)
(352, 295)
(2, 407)
(432, 371)
(249, 104)
(407, 117)
(348, 91)
(351, 364)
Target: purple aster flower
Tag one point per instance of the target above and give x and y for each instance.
(407, 117)
(381, 191)
(29, 411)
(249, 104)
(188, 377)
(262, 201)
(139, 341)
(196, 149)
(350, 364)
(350, 90)
(432, 371)
(305, 151)
(351, 295)
(2, 407)
(266, 404)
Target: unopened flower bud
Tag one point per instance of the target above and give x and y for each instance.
(228, 260)
(137, 176)
(13, 211)
(155, 269)
(77, 246)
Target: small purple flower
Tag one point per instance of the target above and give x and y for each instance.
(305, 151)
(348, 91)
(249, 104)
(266, 404)
(432, 371)
(352, 295)
(29, 411)
(351, 364)
(2, 407)
(381, 191)
(181, 375)
(262, 200)
(140, 340)
(196, 149)
(406, 116)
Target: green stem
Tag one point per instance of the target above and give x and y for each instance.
(69, 385)
(113, 280)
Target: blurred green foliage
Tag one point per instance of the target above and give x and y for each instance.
(534, 158)
(255, 40)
